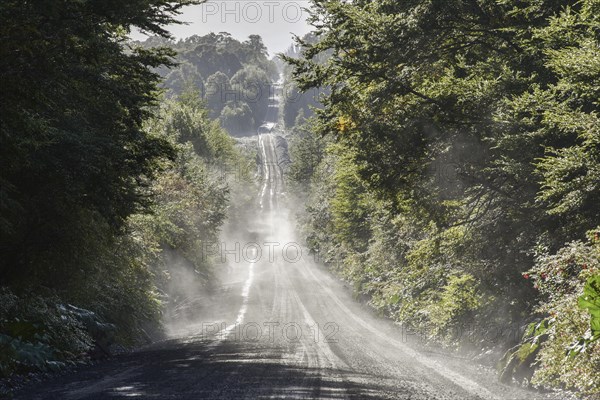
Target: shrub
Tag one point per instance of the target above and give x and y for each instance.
(563, 346)
(39, 333)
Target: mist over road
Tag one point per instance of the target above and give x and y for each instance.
(285, 329)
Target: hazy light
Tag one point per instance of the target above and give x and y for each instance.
(276, 21)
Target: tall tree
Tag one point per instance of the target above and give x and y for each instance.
(471, 126)
(73, 152)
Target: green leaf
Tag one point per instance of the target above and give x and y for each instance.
(590, 300)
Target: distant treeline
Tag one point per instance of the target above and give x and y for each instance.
(453, 173)
(234, 78)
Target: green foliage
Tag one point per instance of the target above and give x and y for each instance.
(299, 105)
(185, 77)
(191, 198)
(103, 195)
(458, 298)
(466, 138)
(590, 300)
(519, 361)
(127, 282)
(73, 149)
(238, 76)
(237, 117)
(306, 152)
(17, 354)
(252, 87)
(217, 88)
(568, 353)
(350, 204)
(39, 333)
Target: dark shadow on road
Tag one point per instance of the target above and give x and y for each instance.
(228, 370)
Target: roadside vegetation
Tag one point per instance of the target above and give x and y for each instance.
(452, 173)
(108, 189)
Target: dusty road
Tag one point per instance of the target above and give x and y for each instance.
(286, 329)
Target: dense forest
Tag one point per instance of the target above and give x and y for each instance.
(108, 187)
(445, 159)
(453, 173)
(234, 78)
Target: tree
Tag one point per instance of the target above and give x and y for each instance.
(218, 89)
(253, 86)
(236, 117)
(472, 128)
(184, 77)
(456, 85)
(236, 72)
(256, 46)
(73, 151)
